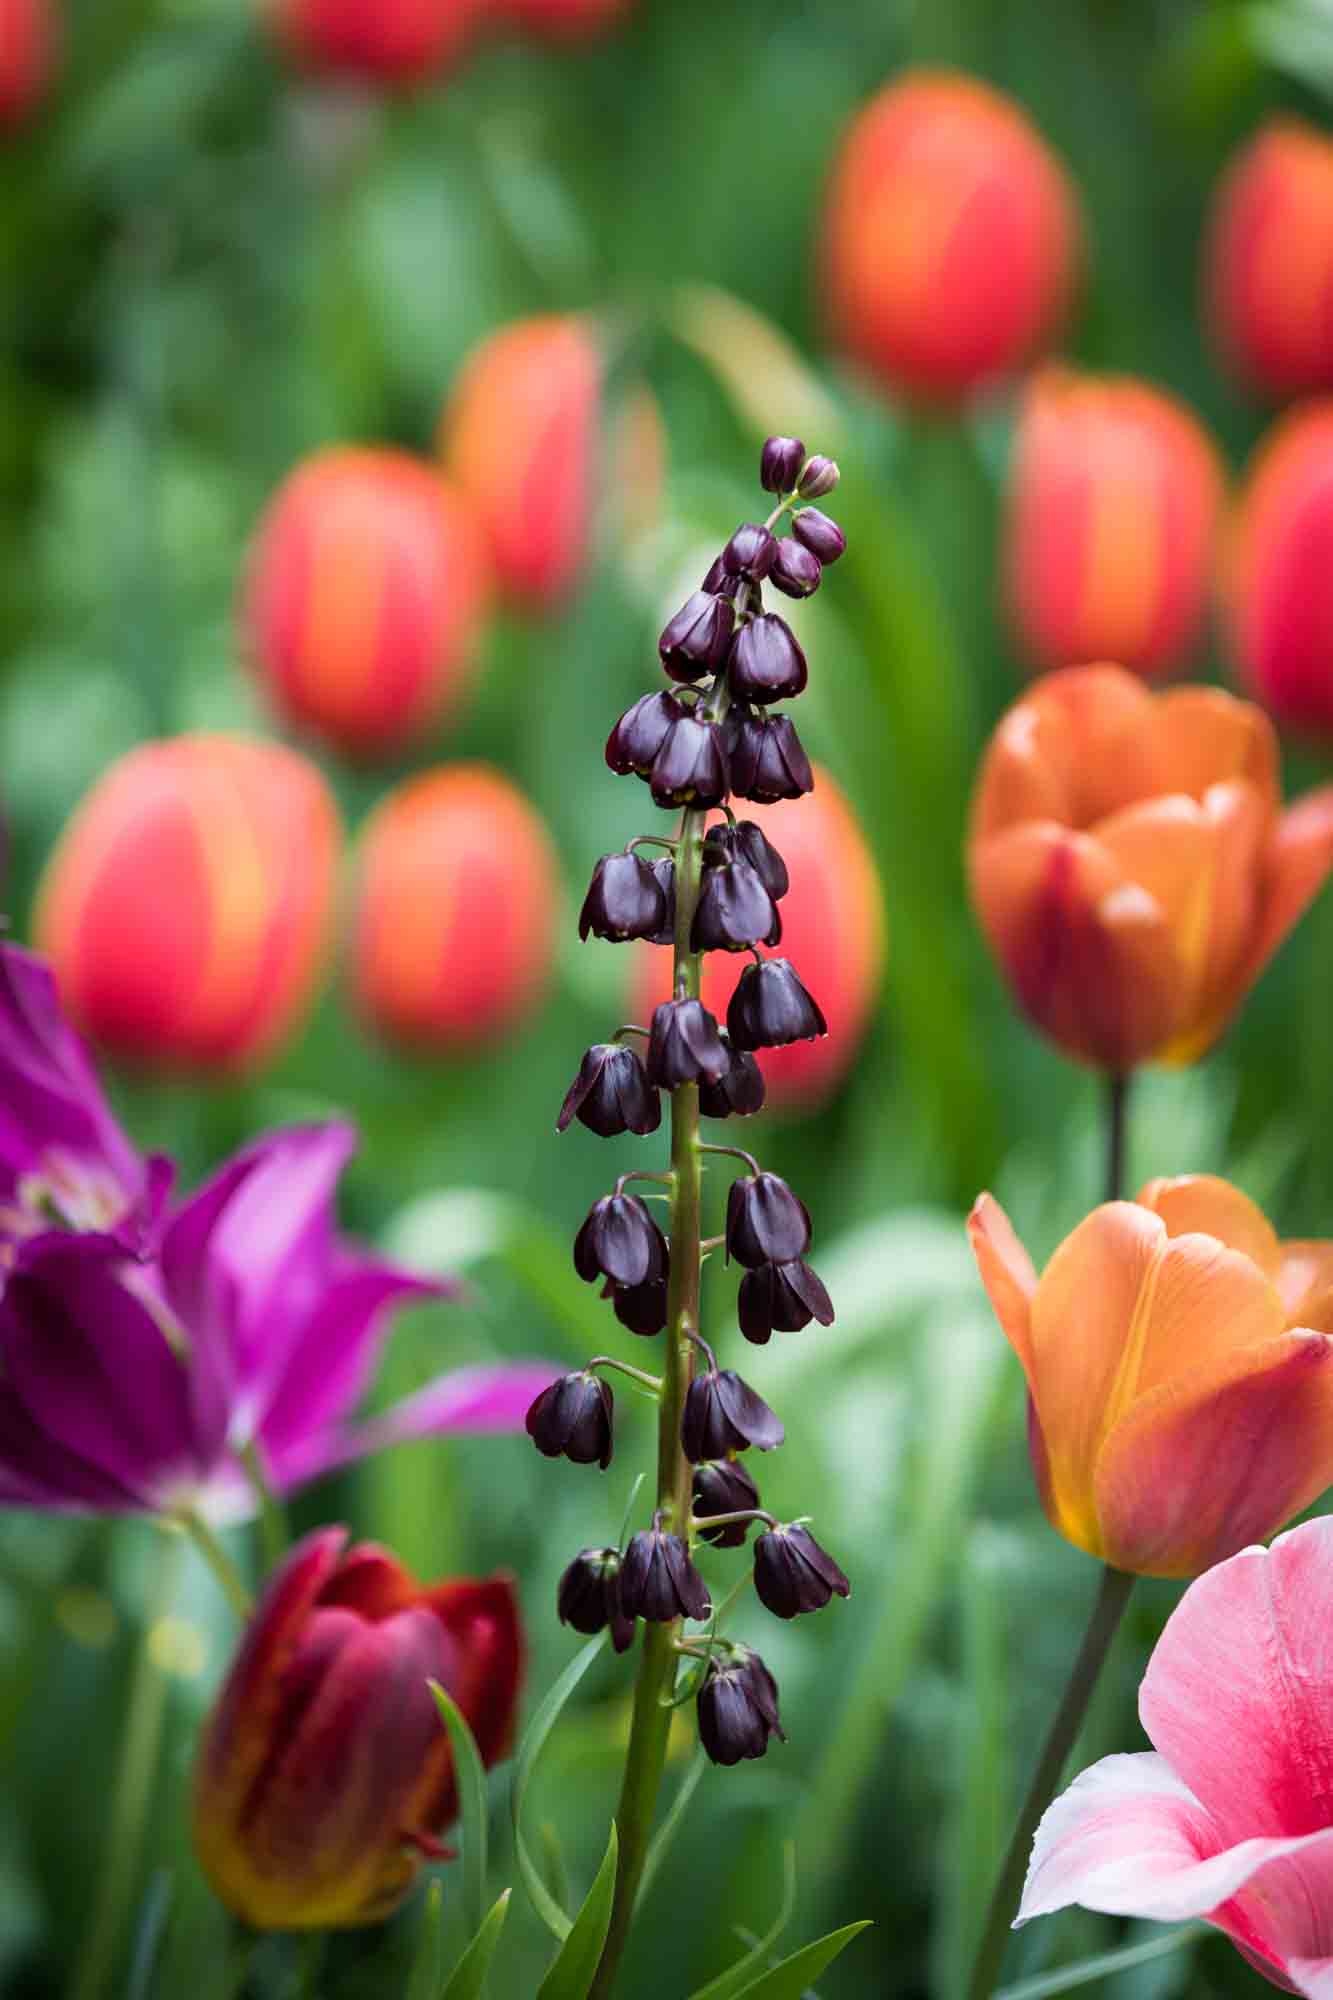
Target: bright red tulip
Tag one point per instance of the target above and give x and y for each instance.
(520, 439)
(565, 19)
(366, 588)
(1268, 263)
(1112, 520)
(29, 48)
(833, 931)
(394, 42)
(324, 1775)
(951, 238)
(453, 930)
(1278, 574)
(187, 905)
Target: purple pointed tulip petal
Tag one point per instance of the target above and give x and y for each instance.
(36, 1471)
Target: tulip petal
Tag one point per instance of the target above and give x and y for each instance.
(36, 1471)
(482, 1616)
(1072, 750)
(1300, 854)
(1204, 736)
(1206, 1205)
(1006, 1272)
(1304, 1279)
(1212, 1460)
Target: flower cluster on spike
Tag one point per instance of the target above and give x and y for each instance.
(713, 736)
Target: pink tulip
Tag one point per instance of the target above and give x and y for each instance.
(1229, 1817)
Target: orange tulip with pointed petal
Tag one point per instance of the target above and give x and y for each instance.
(1131, 862)
(1180, 1372)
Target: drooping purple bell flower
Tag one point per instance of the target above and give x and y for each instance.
(738, 1707)
(766, 1222)
(816, 532)
(624, 900)
(770, 1008)
(780, 464)
(740, 1093)
(722, 1413)
(619, 1240)
(724, 1486)
(695, 641)
(766, 662)
(768, 761)
(796, 571)
(611, 1094)
(659, 1582)
(792, 1573)
(750, 552)
(781, 1298)
(640, 733)
(685, 1045)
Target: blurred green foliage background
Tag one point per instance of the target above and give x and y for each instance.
(209, 270)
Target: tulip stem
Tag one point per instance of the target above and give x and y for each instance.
(645, 1758)
(1109, 1609)
(1117, 1131)
(229, 1579)
(274, 1537)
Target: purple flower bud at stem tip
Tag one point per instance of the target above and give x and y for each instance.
(816, 532)
(819, 477)
(780, 464)
(750, 552)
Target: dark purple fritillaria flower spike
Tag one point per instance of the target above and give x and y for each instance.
(792, 1573)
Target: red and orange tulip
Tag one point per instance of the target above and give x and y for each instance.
(455, 907)
(951, 238)
(1131, 863)
(520, 438)
(1179, 1368)
(1112, 518)
(393, 42)
(1268, 264)
(187, 906)
(364, 597)
(324, 1775)
(29, 47)
(1278, 576)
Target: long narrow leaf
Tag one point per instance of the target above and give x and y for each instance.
(671, 1825)
(550, 1912)
(737, 1977)
(581, 1953)
(790, 1980)
(470, 1780)
(468, 1979)
(1089, 1970)
(424, 1980)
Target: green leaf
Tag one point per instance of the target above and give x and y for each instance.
(468, 1979)
(1089, 1970)
(581, 1953)
(424, 1980)
(470, 1779)
(790, 1980)
(671, 1825)
(539, 1729)
(735, 1979)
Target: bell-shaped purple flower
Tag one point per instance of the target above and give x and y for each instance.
(624, 900)
(611, 1094)
(780, 464)
(770, 1007)
(792, 1573)
(740, 1093)
(573, 1419)
(734, 910)
(767, 760)
(691, 768)
(659, 1582)
(796, 571)
(750, 552)
(738, 1707)
(641, 1308)
(816, 532)
(723, 1413)
(588, 1597)
(766, 662)
(695, 641)
(781, 1298)
(641, 732)
(619, 1240)
(685, 1045)
(766, 1222)
(724, 1486)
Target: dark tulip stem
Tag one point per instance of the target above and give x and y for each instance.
(1107, 1612)
(1117, 1133)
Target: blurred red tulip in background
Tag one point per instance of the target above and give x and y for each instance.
(1112, 519)
(832, 928)
(365, 590)
(519, 436)
(564, 17)
(397, 42)
(1268, 264)
(951, 238)
(187, 905)
(29, 46)
(455, 908)
(1278, 573)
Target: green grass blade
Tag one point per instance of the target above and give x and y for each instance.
(550, 1912)
(661, 1841)
(790, 1980)
(1089, 1970)
(737, 1977)
(468, 1979)
(581, 1953)
(424, 1980)
(470, 1779)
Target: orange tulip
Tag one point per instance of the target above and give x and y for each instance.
(1278, 579)
(519, 437)
(1268, 261)
(951, 238)
(393, 42)
(452, 938)
(29, 49)
(364, 597)
(1112, 516)
(1179, 1371)
(187, 906)
(1131, 863)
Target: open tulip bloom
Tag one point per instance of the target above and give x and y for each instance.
(1180, 1373)
(144, 1344)
(1227, 1818)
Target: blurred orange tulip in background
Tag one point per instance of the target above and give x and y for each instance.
(1278, 573)
(951, 238)
(1179, 1371)
(455, 908)
(1112, 515)
(1268, 260)
(364, 595)
(188, 903)
(1131, 863)
(30, 36)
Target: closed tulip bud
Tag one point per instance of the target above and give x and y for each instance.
(951, 238)
(641, 1308)
(766, 1222)
(766, 662)
(519, 438)
(691, 768)
(781, 1298)
(625, 900)
(684, 1045)
(324, 1776)
(187, 906)
(723, 1486)
(641, 731)
(750, 552)
(796, 571)
(819, 477)
(734, 910)
(659, 1582)
(740, 1093)
(771, 1007)
(363, 602)
(611, 1094)
(619, 1240)
(454, 909)
(792, 1573)
(724, 1414)
(398, 46)
(1268, 260)
(696, 641)
(588, 1597)
(816, 532)
(1131, 862)
(1179, 1369)
(573, 1419)
(1278, 581)
(767, 760)
(564, 20)
(738, 1707)
(780, 464)
(1113, 510)
(29, 49)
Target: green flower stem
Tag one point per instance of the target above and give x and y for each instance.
(274, 1534)
(652, 1383)
(1117, 1134)
(646, 1756)
(230, 1581)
